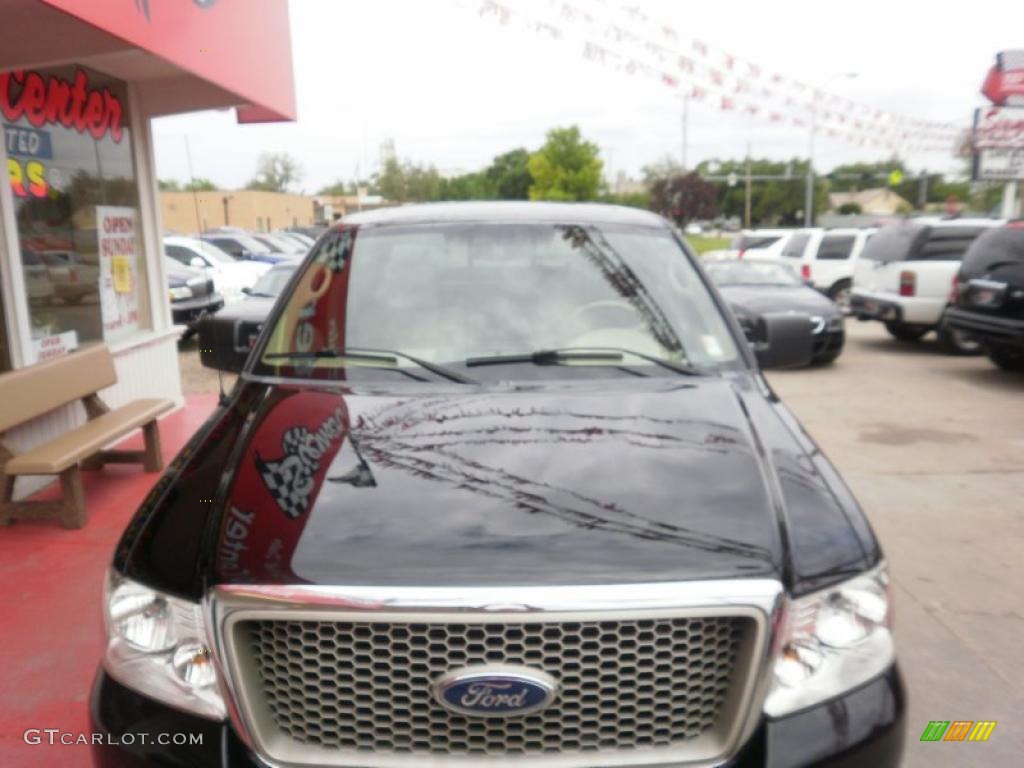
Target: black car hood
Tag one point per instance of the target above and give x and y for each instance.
(654, 479)
(758, 299)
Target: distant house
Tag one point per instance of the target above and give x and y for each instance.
(880, 202)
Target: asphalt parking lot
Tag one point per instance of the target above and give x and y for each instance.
(933, 446)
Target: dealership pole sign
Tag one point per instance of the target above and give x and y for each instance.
(998, 135)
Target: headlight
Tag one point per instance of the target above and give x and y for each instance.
(181, 292)
(832, 641)
(156, 644)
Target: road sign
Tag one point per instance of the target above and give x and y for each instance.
(998, 141)
(1004, 84)
(895, 177)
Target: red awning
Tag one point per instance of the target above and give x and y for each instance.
(242, 47)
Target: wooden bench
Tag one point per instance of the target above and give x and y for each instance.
(33, 391)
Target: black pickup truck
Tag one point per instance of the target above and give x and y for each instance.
(989, 295)
(501, 484)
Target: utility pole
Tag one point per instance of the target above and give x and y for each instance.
(1009, 200)
(192, 182)
(746, 206)
(686, 122)
(809, 192)
(922, 190)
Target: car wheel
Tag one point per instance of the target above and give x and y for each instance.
(953, 341)
(840, 294)
(1007, 358)
(906, 332)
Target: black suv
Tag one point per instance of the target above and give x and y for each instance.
(501, 483)
(989, 295)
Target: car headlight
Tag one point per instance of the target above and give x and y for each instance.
(832, 641)
(156, 644)
(181, 292)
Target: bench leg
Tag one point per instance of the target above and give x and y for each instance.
(6, 498)
(74, 498)
(154, 460)
(94, 462)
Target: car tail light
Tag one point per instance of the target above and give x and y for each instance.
(954, 291)
(740, 254)
(908, 283)
(805, 271)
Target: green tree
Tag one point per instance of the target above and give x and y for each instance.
(508, 175)
(566, 168)
(275, 172)
(468, 186)
(168, 185)
(665, 168)
(403, 182)
(200, 185)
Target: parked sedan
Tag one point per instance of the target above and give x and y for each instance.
(230, 276)
(192, 296)
(281, 244)
(245, 247)
(755, 288)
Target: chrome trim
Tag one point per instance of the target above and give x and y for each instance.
(758, 599)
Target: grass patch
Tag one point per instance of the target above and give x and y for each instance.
(703, 243)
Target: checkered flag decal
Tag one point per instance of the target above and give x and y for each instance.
(289, 479)
(335, 251)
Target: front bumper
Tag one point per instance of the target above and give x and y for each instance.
(865, 727)
(887, 307)
(992, 330)
(189, 311)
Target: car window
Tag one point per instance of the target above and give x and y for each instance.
(794, 249)
(835, 247)
(751, 273)
(180, 254)
(892, 243)
(946, 243)
(999, 246)
(748, 242)
(273, 282)
(449, 292)
(228, 245)
(213, 253)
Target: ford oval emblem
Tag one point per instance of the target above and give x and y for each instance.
(491, 690)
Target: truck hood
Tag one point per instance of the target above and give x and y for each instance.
(543, 483)
(568, 484)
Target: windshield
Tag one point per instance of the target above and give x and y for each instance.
(247, 242)
(212, 252)
(751, 273)
(278, 244)
(273, 282)
(753, 241)
(448, 293)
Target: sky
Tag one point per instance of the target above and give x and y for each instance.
(453, 87)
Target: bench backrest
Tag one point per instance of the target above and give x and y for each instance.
(37, 389)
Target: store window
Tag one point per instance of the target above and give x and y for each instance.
(72, 176)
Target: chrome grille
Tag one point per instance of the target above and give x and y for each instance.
(366, 686)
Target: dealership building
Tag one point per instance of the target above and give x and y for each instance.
(81, 260)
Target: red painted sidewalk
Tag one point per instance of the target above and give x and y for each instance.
(51, 631)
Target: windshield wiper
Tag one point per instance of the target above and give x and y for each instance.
(386, 357)
(607, 355)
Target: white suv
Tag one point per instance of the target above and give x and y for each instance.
(754, 244)
(826, 257)
(905, 276)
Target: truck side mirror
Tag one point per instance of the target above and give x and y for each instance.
(784, 340)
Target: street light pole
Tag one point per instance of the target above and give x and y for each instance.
(809, 192)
